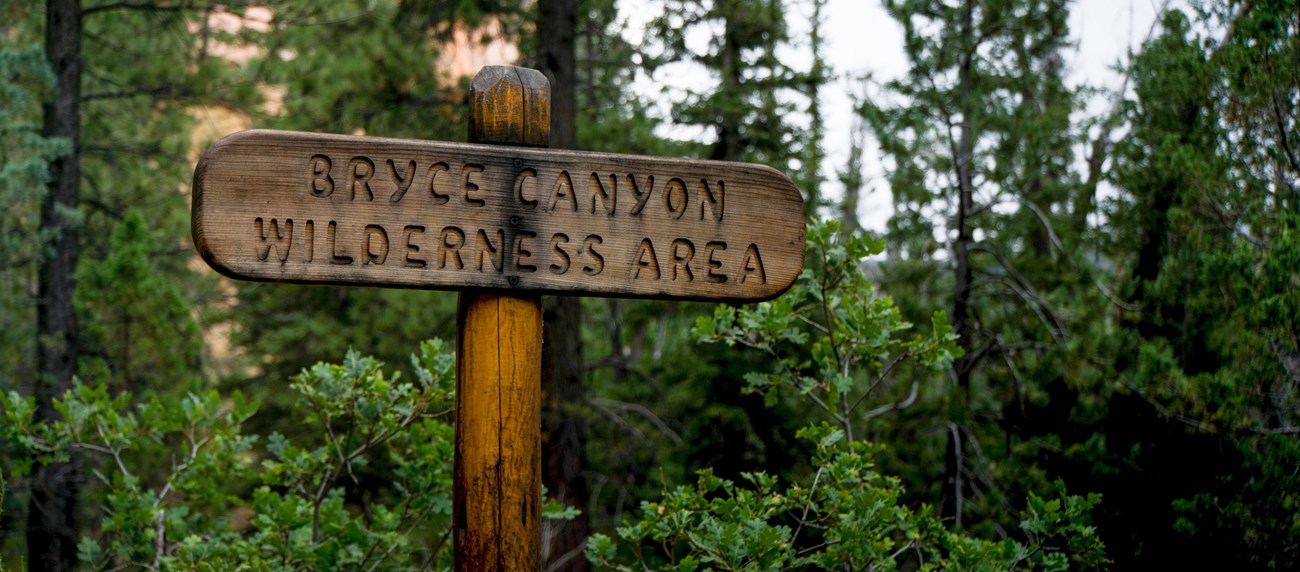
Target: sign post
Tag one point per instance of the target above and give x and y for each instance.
(497, 476)
(503, 220)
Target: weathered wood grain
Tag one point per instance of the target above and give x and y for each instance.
(497, 468)
(333, 209)
(504, 94)
(497, 474)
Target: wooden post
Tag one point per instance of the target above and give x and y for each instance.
(498, 468)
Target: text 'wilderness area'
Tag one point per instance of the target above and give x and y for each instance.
(312, 208)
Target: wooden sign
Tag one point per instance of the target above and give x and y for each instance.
(330, 209)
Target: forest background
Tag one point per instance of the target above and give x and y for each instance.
(1076, 344)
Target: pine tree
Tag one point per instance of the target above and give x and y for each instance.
(977, 141)
(55, 487)
(116, 109)
(1206, 346)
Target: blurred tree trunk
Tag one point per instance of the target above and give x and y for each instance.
(563, 426)
(730, 67)
(51, 522)
(963, 321)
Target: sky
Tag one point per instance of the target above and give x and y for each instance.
(861, 38)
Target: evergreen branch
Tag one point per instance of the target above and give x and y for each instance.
(148, 6)
(1022, 288)
(1125, 306)
(162, 90)
(641, 410)
(1047, 224)
(1287, 150)
(1015, 372)
(1228, 220)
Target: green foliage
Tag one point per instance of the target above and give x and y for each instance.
(834, 338)
(348, 67)
(140, 323)
(1205, 220)
(25, 155)
(847, 515)
(993, 210)
(1139, 342)
(224, 504)
(752, 97)
(830, 337)
(369, 66)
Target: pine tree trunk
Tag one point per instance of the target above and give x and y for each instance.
(51, 522)
(564, 429)
(728, 147)
(963, 322)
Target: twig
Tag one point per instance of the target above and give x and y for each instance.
(641, 410)
(804, 517)
(957, 477)
(159, 540)
(897, 406)
(1113, 300)
(116, 453)
(1047, 224)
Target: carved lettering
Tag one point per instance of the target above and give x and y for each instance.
(282, 242)
(403, 181)
(608, 198)
(322, 184)
(641, 197)
(486, 250)
(753, 266)
(589, 247)
(714, 202)
(311, 240)
(471, 187)
(523, 177)
(452, 239)
(331, 239)
(360, 170)
(409, 259)
(646, 260)
(434, 169)
(440, 215)
(563, 190)
(522, 254)
(682, 252)
(676, 187)
(556, 241)
(711, 263)
(375, 236)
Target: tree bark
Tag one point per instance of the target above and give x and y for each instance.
(51, 517)
(729, 144)
(564, 429)
(963, 321)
